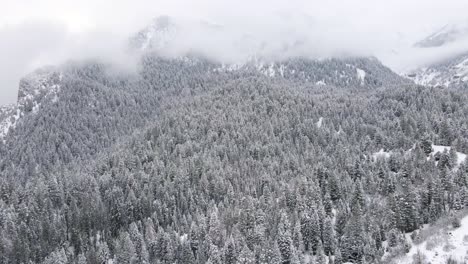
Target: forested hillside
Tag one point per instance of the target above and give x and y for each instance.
(187, 161)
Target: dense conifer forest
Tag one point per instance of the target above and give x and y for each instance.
(185, 161)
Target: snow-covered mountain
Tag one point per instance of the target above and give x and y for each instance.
(447, 46)
(160, 35)
(157, 35)
(442, 242)
(43, 84)
(451, 72)
(445, 35)
(163, 33)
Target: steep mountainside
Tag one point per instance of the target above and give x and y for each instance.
(446, 35)
(45, 84)
(35, 88)
(452, 72)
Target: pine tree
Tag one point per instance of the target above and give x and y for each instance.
(329, 240)
(125, 251)
(409, 211)
(230, 255)
(103, 253)
(82, 259)
(352, 242)
(194, 238)
(358, 202)
(460, 178)
(320, 255)
(272, 255)
(141, 251)
(246, 256)
(310, 229)
(186, 255)
(334, 188)
(457, 203)
(426, 145)
(57, 257)
(446, 133)
(295, 259)
(285, 243)
(327, 203)
(357, 172)
(298, 241)
(338, 257)
(215, 255)
(215, 231)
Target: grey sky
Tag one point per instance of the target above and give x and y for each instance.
(35, 33)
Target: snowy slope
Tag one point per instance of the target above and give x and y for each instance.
(177, 38)
(442, 244)
(447, 46)
(8, 115)
(351, 72)
(34, 88)
(461, 157)
(451, 72)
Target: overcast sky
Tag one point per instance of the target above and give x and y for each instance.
(35, 33)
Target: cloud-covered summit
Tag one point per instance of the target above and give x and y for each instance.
(37, 33)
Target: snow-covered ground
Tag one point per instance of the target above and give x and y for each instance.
(381, 154)
(445, 243)
(461, 157)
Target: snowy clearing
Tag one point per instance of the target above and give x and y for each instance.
(441, 245)
(461, 157)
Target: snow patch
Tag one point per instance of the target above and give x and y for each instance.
(381, 154)
(183, 238)
(441, 245)
(320, 122)
(321, 83)
(361, 74)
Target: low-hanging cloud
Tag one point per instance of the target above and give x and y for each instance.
(37, 33)
(20, 46)
(34, 44)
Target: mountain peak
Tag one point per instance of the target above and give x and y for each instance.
(33, 89)
(156, 35)
(445, 35)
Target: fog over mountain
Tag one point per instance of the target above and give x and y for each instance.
(51, 32)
